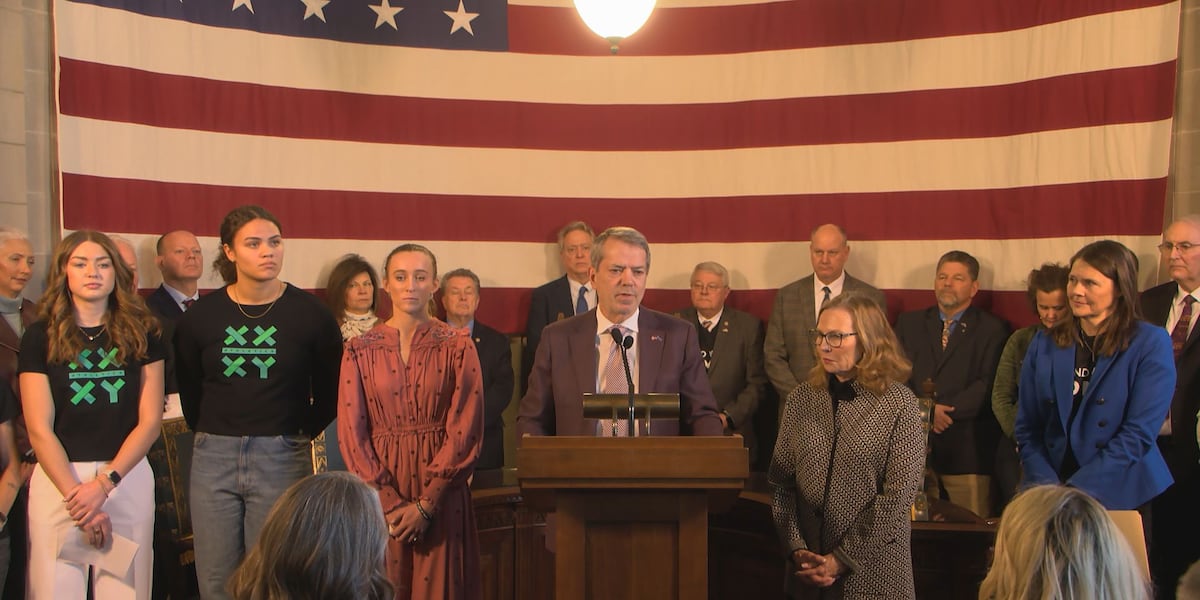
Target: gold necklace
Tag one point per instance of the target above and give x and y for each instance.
(92, 338)
(238, 302)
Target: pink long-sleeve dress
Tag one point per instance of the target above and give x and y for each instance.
(414, 431)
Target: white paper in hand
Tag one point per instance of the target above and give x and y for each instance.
(115, 557)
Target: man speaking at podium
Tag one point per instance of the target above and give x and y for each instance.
(581, 354)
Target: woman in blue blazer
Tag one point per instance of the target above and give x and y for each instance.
(1095, 388)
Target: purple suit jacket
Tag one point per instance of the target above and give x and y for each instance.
(564, 368)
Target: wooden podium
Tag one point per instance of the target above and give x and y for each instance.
(631, 513)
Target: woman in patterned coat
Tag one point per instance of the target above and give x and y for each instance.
(848, 460)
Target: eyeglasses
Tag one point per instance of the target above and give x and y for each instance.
(833, 338)
(709, 287)
(1182, 247)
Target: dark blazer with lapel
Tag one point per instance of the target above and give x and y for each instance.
(1113, 434)
(963, 373)
(565, 368)
(163, 305)
(495, 358)
(1156, 307)
(10, 345)
(788, 352)
(550, 303)
(735, 372)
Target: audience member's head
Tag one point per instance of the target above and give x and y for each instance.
(180, 260)
(575, 249)
(460, 296)
(956, 281)
(710, 288)
(128, 256)
(828, 251)
(1189, 584)
(323, 539)
(1047, 293)
(16, 262)
(1057, 543)
(351, 287)
(1181, 251)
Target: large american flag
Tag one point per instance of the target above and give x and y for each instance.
(724, 130)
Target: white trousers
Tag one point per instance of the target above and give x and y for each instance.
(131, 509)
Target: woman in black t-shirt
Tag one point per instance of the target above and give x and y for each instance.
(91, 372)
(257, 367)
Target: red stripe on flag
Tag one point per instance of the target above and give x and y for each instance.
(1084, 209)
(111, 93)
(794, 24)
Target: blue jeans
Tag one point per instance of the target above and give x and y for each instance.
(234, 482)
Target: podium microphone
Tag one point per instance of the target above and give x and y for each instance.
(625, 343)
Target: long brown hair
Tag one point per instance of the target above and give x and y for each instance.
(230, 225)
(882, 363)
(1120, 265)
(339, 279)
(126, 319)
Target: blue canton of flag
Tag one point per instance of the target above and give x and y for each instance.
(444, 24)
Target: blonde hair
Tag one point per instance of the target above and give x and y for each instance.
(1056, 542)
(881, 362)
(324, 539)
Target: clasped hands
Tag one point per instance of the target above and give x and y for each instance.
(815, 569)
(83, 504)
(406, 523)
(941, 417)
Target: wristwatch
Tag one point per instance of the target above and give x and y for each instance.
(114, 477)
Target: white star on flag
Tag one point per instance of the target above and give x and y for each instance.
(387, 14)
(315, 7)
(246, 3)
(462, 19)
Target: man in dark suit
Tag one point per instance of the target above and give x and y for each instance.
(569, 295)
(1175, 536)
(788, 349)
(731, 344)
(957, 346)
(579, 355)
(181, 263)
(460, 297)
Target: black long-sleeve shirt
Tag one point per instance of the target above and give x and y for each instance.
(271, 375)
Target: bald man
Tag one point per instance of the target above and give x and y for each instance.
(788, 349)
(181, 263)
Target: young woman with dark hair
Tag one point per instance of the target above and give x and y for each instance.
(257, 372)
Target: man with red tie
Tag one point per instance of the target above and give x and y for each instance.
(181, 263)
(1175, 530)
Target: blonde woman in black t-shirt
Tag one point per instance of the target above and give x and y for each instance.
(91, 372)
